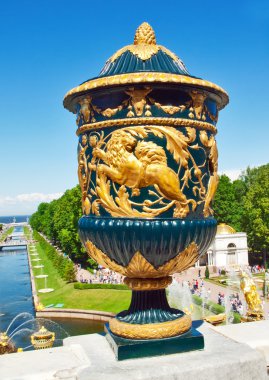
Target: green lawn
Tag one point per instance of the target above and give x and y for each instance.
(91, 299)
(8, 232)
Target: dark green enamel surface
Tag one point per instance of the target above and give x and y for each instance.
(158, 240)
(149, 306)
(130, 63)
(132, 349)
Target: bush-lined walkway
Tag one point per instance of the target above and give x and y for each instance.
(110, 300)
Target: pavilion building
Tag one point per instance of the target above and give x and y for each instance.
(228, 250)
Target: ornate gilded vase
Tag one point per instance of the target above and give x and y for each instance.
(147, 167)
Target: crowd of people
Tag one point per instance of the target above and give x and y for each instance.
(234, 301)
(257, 269)
(100, 276)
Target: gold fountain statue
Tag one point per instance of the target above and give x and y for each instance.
(6, 346)
(248, 287)
(42, 339)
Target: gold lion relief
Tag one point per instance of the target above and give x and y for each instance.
(138, 164)
(127, 159)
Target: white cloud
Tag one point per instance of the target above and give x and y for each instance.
(233, 174)
(31, 197)
(24, 203)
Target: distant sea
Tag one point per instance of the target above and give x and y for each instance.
(9, 219)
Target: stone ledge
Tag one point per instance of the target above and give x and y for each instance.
(222, 359)
(93, 315)
(254, 334)
(89, 357)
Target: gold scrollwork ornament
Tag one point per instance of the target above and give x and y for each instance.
(213, 168)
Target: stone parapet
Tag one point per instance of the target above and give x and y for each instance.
(89, 357)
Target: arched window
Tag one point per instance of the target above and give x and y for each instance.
(231, 254)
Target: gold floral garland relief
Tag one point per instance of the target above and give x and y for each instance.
(139, 267)
(140, 103)
(151, 330)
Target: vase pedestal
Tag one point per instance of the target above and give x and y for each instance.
(150, 326)
(137, 348)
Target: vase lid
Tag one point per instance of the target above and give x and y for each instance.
(144, 55)
(143, 62)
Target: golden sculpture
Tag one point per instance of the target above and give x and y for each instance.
(198, 99)
(6, 346)
(140, 164)
(136, 164)
(138, 100)
(42, 339)
(248, 287)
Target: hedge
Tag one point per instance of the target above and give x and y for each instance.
(64, 266)
(215, 308)
(82, 286)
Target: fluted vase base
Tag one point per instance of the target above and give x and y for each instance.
(150, 317)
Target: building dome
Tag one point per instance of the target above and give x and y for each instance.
(225, 229)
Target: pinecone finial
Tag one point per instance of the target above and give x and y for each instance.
(144, 35)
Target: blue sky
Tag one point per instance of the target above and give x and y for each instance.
(48, 47)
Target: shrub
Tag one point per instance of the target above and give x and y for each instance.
(215, 308)
(82, 286)
(197, 300)
(207, 272)
(92, 263)
(69, 272)
(223, 272)
(64, 266)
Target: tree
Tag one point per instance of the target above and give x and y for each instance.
(227, 205)
(69, 272)
(207, 272)
(255, 218)
(58, 220)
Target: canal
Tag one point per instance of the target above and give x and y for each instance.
(16, 291)
(15, 285)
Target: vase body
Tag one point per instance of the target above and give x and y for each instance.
(147, 167)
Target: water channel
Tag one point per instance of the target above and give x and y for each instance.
(16, 291)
